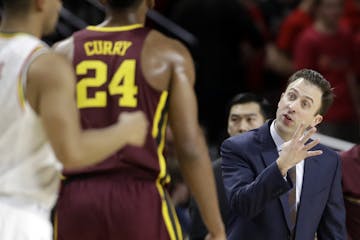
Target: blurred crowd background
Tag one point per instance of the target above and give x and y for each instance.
(251, 46)
(254, 46)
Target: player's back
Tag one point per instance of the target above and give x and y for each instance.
(29, 171)
(110, 80)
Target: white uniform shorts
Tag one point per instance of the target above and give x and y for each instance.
(19, 224)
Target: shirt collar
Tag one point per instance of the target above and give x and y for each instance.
(276, 137)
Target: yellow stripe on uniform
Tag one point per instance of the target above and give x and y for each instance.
(10, 35)
(177, 222)
(56, 226)
(20, 86)
(21, 94)
(173, 228)
(157, 117)
(114, 29)
(170, 218)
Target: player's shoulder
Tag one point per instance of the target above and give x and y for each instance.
(23, 37)
(52, 56)
(26, 45)
(65, 47)
(58, 69)
(156, 38)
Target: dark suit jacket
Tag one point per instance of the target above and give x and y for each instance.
(198, 230)
(257, 191)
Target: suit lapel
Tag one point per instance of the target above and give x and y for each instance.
(269, 155)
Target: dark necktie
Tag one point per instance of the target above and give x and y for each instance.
(292, 196)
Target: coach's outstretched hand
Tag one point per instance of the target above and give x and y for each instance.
(297, 149)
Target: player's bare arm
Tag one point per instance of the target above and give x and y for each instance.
(193, 155)
(65, 47)
(51, 93)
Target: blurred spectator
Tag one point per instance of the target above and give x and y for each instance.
(327, 47)
(275, 11)
(280, 56)
(351, 20)
(257, 16)
(351, 188)
(254, 57)
(351, 17)
(298, 19)
(357, 59)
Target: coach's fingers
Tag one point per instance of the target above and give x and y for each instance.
(307, 135)
(314, 153)
(299, 131)
(312, 144)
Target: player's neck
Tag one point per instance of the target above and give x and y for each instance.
(17, 25)
(126, 17)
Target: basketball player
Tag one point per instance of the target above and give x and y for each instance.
(122, 66)
(38, 112)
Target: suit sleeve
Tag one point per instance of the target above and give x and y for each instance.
(332, 223)
(249, 192)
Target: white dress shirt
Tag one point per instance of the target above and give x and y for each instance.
(299, 167)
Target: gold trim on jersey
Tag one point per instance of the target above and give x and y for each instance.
(21, 94)
(158, 112)
(63, 177)
(114, 29)
(171, 221)
(169, 214)
(20, 87)
(158, 132)
(176, 222)
(10, 35)
(56, 226)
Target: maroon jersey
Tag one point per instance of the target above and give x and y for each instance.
(110, 81)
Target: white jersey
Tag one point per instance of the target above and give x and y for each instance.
(29, 170)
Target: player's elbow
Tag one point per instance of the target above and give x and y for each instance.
(70, 157)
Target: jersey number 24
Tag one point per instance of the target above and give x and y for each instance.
(122, 83)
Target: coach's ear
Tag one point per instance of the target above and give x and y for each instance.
(317, 119)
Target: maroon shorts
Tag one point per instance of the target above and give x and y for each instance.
(112, 207)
